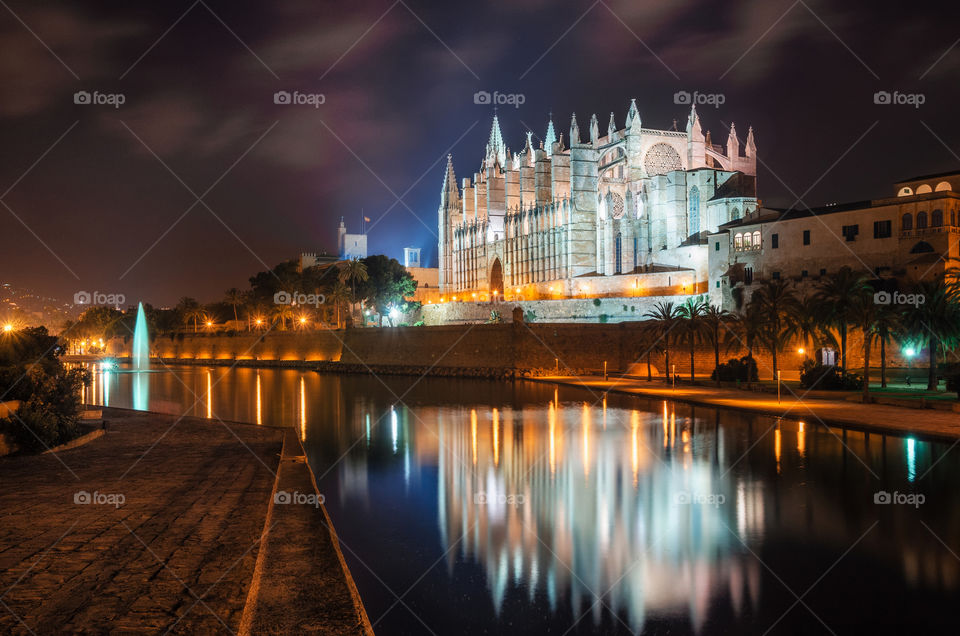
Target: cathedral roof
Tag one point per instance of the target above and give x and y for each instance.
(739, 185)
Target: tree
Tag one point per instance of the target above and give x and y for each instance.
(715, 322)
(234, 297)
(190, 310)
(339, 296)
(691, 325)
(353, 271)
(935, 322)
(810, 323)
(864, 313)
(387, 284)
(666, 318)
(281, 313)
(888, 323)
(777, 306)
(836, 295)
(746, 329)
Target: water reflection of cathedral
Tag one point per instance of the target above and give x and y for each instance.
(597, 503)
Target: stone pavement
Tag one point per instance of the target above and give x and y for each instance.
(168, 541)
(875, 417)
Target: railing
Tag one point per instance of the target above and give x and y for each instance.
(925, 231)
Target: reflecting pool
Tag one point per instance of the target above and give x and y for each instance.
(477, 507)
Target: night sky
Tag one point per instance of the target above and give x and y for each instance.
(110, 203)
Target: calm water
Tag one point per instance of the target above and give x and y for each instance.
(474, 507)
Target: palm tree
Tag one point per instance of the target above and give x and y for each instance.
(190, 309)
(836, 294)
(935, 322)
(810, 324)
(864, 313)
(234, 297)
(777, 305)
(281, 313)
(746, 329)
(353, 271)
(714, 320)
(340, 296)
(665, 316)
(691, 325)
(888, 323)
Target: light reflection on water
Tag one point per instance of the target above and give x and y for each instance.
(520, 505)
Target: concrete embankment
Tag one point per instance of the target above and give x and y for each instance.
(567, 346)
(156, 526)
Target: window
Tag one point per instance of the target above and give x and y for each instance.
(850, 232)
(823, 272)
(776, 276)
(618, 268)
(636, 262)
(748, 275)
(694, 210)
(804, 274)
(718, 284)
(906, 223)
(738, 242)
(747, 240)
(882, 229)
(936, 218)
(735, 214)
(716, 246)
(806, 237)
(921, 220)
(924, 189)
(756, 239)
(774, 241)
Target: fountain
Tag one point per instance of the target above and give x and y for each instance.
(141, 342)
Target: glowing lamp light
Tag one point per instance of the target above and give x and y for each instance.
(909, 352)
(801, 350)
(209, 324)
(394, 313)
(8, 328)
(259, 321)
(303, 320)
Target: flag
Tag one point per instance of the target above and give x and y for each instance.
(366, 219)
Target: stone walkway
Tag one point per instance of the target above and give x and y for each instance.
(876, 417)
(169, 541)
(295, 577)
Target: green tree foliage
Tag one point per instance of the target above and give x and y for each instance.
(388, 283)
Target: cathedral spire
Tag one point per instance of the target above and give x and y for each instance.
(611, 127)
(551, 136)
(574, 131)
(594, 129)
(633, 117)
(733, 144)
(693, 124)
(750, 149)
(449, 192)
(495, 144)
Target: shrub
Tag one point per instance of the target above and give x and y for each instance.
(743, 369)
(828, 377)
(604, 318)
(596, 302)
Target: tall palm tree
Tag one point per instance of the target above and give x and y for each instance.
(665, 317)
(864, 313)
(888, 324)
(353, 271)
(234, 297)
(691, 325)
(936, 322)
(746, 329)
(717, 322)
(810, 321)
(836, 294)
(190, 310)
(340, 296)
(777, 305)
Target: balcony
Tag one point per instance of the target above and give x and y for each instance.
(928, 231)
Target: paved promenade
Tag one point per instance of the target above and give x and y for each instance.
(169, 540)
(876, 417)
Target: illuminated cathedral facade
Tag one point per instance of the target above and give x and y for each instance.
(599, 217)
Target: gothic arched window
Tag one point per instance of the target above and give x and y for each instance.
(906, 223)
(921, 220)
(619, 253)
(694, 210)
(735, 214)
(936, 218)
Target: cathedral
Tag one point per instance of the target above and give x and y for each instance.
(595, 217)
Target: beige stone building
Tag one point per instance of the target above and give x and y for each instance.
(910, 235)
(597, 218)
